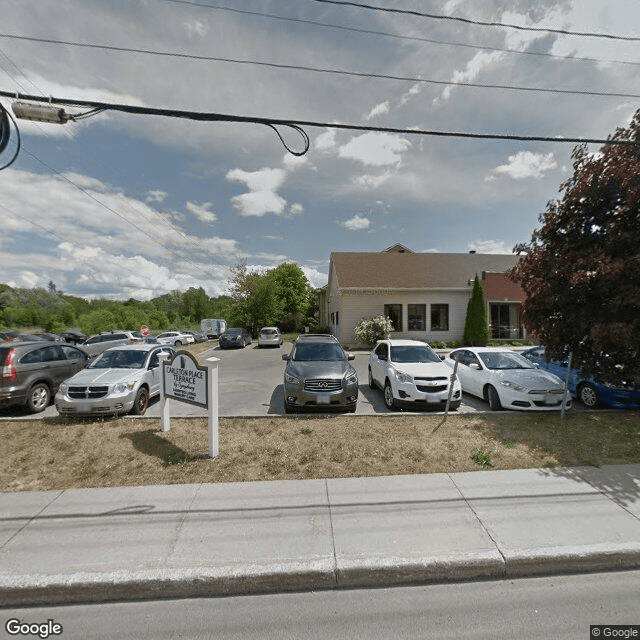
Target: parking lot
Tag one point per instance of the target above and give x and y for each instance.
(250, 384)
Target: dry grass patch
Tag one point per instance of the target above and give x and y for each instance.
(60, 454)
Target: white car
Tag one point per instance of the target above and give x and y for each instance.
(176, 338)
(120, 380)
(410, 372)
(270, 337)
(507, 380)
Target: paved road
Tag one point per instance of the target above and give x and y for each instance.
(539, 608)
(250, 384)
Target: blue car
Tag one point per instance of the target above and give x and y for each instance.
(589, 390)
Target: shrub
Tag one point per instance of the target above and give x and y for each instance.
(369, 331)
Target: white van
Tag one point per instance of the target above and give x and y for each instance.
(213, 327)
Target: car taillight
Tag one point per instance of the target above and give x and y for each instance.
(9, 373)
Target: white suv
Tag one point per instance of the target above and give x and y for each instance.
(410, 372)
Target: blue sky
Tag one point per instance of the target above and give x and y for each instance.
(126, 206)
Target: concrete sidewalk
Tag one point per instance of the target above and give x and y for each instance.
(127, 543)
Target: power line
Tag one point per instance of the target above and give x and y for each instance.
(342, 72)
(388, 34)
(298, 124)
(482, 23)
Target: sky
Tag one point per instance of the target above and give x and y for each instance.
(134, 206)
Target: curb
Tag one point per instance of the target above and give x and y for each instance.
(130, 586)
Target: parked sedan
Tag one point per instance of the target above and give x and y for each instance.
(235, 337)
(95, 345)
(507, 380)
(175, 338)
(120, 380)
(590, 391)
(270, 337)
(410, 372)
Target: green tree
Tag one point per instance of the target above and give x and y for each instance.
(292, 289)
(581, 270)
(476, 326)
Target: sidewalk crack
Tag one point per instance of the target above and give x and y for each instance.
(333, 540)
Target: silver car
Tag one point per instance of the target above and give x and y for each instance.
(319, 376)
(270, 337)
(95, 345)
(176, 338)
(120, 380)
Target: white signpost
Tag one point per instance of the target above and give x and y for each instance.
(186, 381)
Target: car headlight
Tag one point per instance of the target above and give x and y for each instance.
(291, 379)
(351, 377)
(64, 387)
(404, 378)
(121, 387)
(511, 385)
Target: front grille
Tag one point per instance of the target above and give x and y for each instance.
(320, 385)
(84, 392)
(442, 384)
(442, 387)
(551, 392)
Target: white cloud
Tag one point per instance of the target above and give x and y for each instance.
(375, 149)
(296, 209)
(202, 211)
(196, 28)
(489, 246)
(371, 181)
(262, 197)
(471, 71)
(156, 196)
(526, 164)
(378, 110)
(357, 223)
(325, 141)
(292, 162)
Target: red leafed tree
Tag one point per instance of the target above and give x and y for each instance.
(581, 270)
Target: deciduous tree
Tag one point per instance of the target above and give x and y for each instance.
(581, 270)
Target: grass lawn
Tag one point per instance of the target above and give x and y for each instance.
(58, 453)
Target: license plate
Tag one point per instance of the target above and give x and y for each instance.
(323, 399)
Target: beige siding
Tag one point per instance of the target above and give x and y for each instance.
(355, 305)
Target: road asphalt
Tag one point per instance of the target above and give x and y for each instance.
(203, 540)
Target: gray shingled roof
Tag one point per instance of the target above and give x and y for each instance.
(415, 270)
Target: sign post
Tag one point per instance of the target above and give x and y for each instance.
(186, 381)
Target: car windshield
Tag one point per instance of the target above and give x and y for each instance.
(233, 332)
(413, 353)
(318, 352)
(504, 360)
(120, 359)
(269, 332)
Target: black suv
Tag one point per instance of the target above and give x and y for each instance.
(31, 372)
(319, 376)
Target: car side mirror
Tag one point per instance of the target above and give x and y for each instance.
(351, 356)
(442, 357)
(285, 356)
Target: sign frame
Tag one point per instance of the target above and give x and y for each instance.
(188, 365)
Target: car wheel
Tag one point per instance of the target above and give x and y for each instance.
(177, 343)
(493, 398)
(372, 384)
(141, 402)
(454, 406)
(288, 408)
(389, 400)
(588, 395)
(39, 397)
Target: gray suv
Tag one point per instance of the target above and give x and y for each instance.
(95, 345)
(31, 372)
(318, 376)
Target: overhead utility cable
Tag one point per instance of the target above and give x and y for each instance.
(342, 72)
(388, 34)
(298, 124)
(482, 23)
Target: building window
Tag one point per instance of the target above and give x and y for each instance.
(417, 316)
(333, 318)
(337, 317)
(394, 313)
(439, 317)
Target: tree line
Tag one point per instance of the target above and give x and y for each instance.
(281, 296)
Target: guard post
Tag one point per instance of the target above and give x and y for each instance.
(184, 380)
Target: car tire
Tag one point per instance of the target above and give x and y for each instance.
(389, 400)
(454, 406)
(352, 409)
(493, 399)
(588, 395)
(141, 402)
(177, 343)
(39, 397)
(372, 384)
(288, 408)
